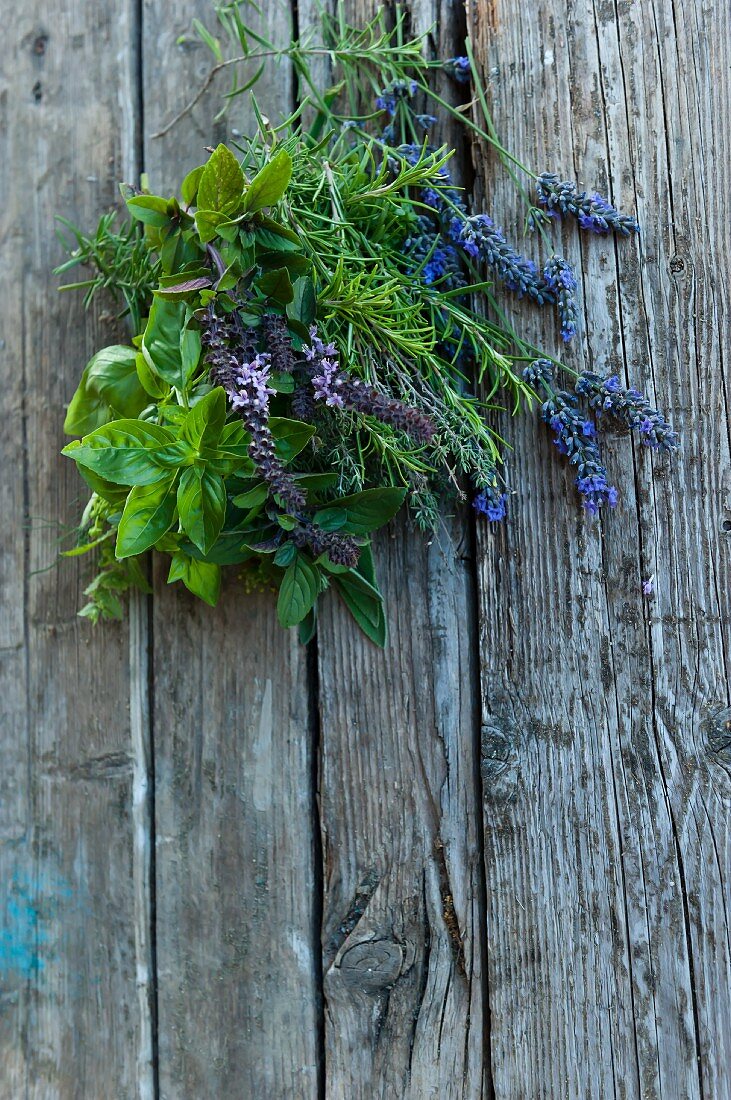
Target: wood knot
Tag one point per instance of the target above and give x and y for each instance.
(717, 734)
(497, 751)
(372, 966)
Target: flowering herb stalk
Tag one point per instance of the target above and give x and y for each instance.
(307, 344)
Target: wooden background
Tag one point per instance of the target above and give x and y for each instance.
(492, 861)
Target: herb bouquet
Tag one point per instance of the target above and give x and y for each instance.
(311, 345)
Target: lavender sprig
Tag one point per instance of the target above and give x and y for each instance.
(559, 277)
(575, 437)
(390, 96)
(483, 240)
(459, 68)
(337, 389)
(629, 407)
(593, 212)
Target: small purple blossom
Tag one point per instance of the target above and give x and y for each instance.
(593, 212)
(490, 502)
(629, 408)
(389, 97)
(459, 68)
(648, 586)
(540, 370)
(559, 277)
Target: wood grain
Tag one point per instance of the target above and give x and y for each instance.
(398, 800)
(235, 863)
(605, 747)
(71, 1020)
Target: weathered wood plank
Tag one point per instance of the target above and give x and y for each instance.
(606, 775)
(236, 903)
(402, 882)
(72, 1021)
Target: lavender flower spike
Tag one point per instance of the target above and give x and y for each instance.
(575, 438)
(490, 502)
(459, 68)
(559, 276)
(630, 408)
(593, 212)
(481, 239)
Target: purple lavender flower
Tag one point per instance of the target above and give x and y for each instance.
(540, 370)
(458, 68)
(559, 277)
(629, 408)
(575, 438)
(336, 387)
(491, 502)
(481, 239)
(593, 212)
(389, 97)
(648, 586)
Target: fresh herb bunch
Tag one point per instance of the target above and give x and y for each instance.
(308, 341)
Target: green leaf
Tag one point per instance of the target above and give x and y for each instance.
(182, 289)
(109, 389)
(269, 184)
(271, 236)
(201, 578)
(123, 452)
(147, 515)
(221, 183)
(359, 591)
(361, 513)
(189, 187)
(298, 592)
(277, 285)
(149, 209)
(107, 490)
(290, 436)
(171, 349)
(151, 383)
(207, 223)
(254, 496)
(303, 306)
(285, 555)
(203, 425)
(308, 626)
(202, 506)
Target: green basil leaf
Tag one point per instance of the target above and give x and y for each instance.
(298, 592)
(365, 604)
(170, 347)
(364, 512)
(269, 184)
(109, 389)
(183, 289)
(308, 626)
(303, 306)
(202, 506)
(285, 555)
(149, 209)
(147, 516)
(203, 425)
(290, 436)
(107, 490)
(221, 183)
(276, 285)
(151, 383)
(189, 187)
(254, 496)
(123, 452)
(201, 578)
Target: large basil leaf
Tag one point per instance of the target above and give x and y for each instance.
(170, 347)
(269, 184)
(201, 578)
(361, 513)
(298, 592)
(204, 423)
(202, 506)
(277, 285)
(290, 436)
(147, 516)
(123, 452)
(109, 388)
(221, 183)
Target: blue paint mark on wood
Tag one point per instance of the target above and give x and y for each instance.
(31, 906)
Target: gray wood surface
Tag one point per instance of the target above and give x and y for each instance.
(605, 747)
(236, 898)
(491, 862)
(72, 1019)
